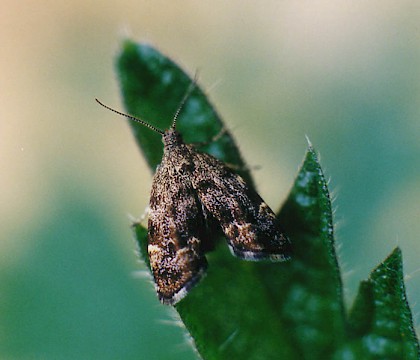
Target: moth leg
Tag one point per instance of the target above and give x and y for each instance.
(222, 132)
(214, 139)
(236, 168)
(138, 221)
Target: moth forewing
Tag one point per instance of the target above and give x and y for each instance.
(176, 226)
(250, 226)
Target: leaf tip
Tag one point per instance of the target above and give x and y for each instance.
(393, 261)
(309, 142)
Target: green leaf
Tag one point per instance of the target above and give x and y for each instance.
(380, 322)
(392, 320)
(310, 290)
(262, 310)
(152, 88)
(361, 315)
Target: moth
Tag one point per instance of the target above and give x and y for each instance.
(190, 189)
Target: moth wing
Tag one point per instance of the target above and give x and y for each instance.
(248, 223)
(175, 231)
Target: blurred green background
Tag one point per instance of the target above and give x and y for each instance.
(347, 75)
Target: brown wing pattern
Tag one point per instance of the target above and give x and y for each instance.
(176, 230)
(248, 223)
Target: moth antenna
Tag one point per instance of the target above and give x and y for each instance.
(140, 121)
(190, 89)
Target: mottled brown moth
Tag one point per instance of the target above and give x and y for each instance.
(189, 190)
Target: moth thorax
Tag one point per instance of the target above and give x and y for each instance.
(171, 138)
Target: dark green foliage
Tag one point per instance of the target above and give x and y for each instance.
(252, 310)
(380, 322)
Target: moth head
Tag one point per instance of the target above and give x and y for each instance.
(171, 137)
